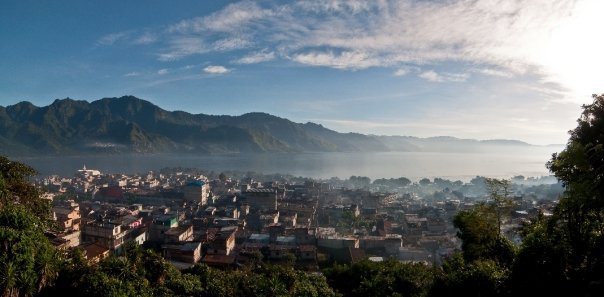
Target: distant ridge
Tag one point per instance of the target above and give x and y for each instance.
(131, 125)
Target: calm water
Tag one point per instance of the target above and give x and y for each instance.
(414, 165)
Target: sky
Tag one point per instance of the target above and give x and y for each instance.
(483, 69)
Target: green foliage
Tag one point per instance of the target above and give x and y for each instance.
(393, 182)
(144, 273)
(16, 189)
(28, 262)
(129, 124)
(476, 278)
(359, 181)
(267, 280)
(564, 255)
(138, 273)
(539, 267)
(479, 232)
(390, 278)
(499, 192)
(583, 159)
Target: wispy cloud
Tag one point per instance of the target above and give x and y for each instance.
(216, 69)
(236, 15)
(112, 38)
(493, 72)
(182, 47)
(344, 60)
(433, 76)
(256, 57)
(229, 44)
(146, 38)
(496, 38)
(401, 72)
(162, 71)
(131, 74)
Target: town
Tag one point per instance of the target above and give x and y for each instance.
(228, 222)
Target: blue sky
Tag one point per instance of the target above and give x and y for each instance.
(474, 69)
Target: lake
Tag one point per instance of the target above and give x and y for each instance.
(414, 165)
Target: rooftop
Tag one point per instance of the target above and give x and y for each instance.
(260, 191)
(197, 183)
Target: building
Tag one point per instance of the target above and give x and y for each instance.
(67, 215)
(87, 173)
(337, 242)
(222, 242)
(197, 192)
(222, 261)
(94, 253)
(179, 234)
(138, 236)
(189, 252)
(410, 254)
(307, 252)
(261, 198)
(160, 225)
(106, 234)
(389, 244)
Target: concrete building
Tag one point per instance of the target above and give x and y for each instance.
(337, 242)
(261, 198)
(307, 252)
(410, 254)
(390, 244)
(189, 252)
(94, 253)
(67, 215)
(222, 242)
(179, 234)
(106, 234)
(197, 192)
(160, 225)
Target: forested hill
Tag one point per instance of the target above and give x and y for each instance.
(130, 124)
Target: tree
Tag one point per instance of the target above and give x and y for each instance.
(349, 220)
(539, 267)
(392, 182)
(478, 278)
(443, 183)
(565, 253)
(499, 192)
(360, 181)
(16, 189)
(403, 181)
(3, 191)
(222, 177)
(478, 181)
(390, 278)
(28, 262)
(481, 239)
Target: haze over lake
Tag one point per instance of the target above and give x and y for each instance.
(529, 161)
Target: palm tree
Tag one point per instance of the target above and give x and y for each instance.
(8, 279)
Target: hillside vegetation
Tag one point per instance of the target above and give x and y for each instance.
(129, 124)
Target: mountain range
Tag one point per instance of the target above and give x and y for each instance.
(132, 125)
